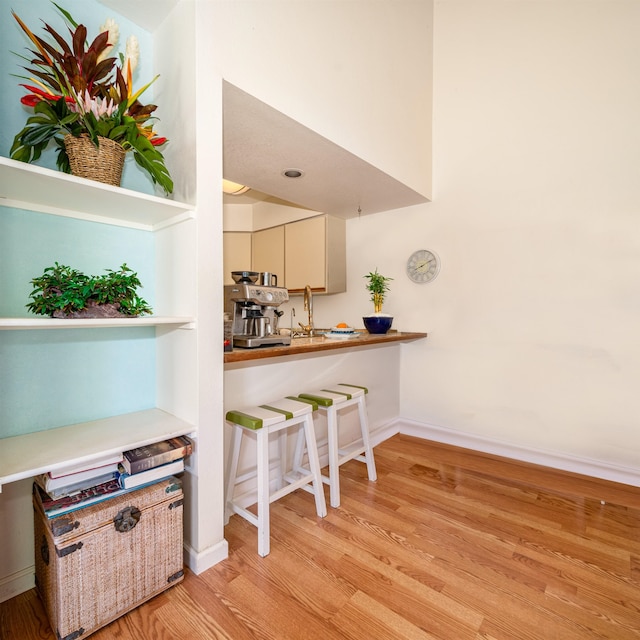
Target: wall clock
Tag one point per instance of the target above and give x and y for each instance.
(423, 266)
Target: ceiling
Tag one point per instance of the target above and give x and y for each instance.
(261, 142)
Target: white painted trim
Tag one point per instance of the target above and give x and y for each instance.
(199, 561)
(554, 459)
(384, 432)
(17, 583)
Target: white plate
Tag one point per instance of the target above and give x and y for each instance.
(341, 334)
(342, 330)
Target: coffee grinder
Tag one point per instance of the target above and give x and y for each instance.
(253, 306)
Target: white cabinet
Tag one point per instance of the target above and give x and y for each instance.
(267, 252)
(237, 253)
(315, 255)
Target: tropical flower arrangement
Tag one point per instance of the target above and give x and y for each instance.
(81, 90)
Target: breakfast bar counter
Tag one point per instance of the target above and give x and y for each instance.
(320, 344)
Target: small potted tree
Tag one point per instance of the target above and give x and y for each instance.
(63, 292)
(377, 285)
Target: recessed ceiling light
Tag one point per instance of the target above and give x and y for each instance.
(292, 173)
(233, 188)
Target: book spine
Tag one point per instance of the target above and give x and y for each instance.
(71, 489)
(112, 459)
(131, 481)
(84, 498)
(143, 464)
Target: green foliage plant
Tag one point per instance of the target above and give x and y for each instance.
(79, 90)
(61, 291)
(377, 285)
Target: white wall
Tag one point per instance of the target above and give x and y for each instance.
(357, 72)
(533, 321)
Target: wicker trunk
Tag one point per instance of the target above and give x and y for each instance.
(95, 564)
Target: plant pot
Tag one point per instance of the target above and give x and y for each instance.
(377, 323)
(103, 163)
(93, 310)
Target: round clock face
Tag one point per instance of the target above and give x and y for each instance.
(423, 266)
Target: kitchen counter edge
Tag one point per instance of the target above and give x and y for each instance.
(315, 345)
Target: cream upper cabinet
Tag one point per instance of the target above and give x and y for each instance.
(237, 253)
(315, 255)
(268, 252)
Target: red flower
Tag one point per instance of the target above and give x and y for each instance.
(30, 100)
(156, 142)
(37, 94)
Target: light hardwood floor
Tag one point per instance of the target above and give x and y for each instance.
(447, 544)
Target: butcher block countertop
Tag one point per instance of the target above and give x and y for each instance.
(320, 344)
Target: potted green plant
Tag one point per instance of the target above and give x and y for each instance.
(63, 292)
(79, 94)
(377, 285)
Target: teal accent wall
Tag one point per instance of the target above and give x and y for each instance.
(30, 241)
(49, 378)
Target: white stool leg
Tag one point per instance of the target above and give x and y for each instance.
(232, 470)
(314, 466)
(368, 451)
(262, 446)
(298, 453)
(332, 441)
(282, 461)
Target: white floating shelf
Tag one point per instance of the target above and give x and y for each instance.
(95, 323)
(34, 453)
(27, 186)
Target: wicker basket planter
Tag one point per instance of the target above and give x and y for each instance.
(103, 163)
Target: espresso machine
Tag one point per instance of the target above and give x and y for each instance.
(252, 304)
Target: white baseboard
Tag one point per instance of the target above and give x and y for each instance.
(384, 432)
(203, 560)
(555, 460)
(17, 583)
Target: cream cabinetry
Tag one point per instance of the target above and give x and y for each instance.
(237, 253)
(268, 252)
(315, 255)
(305, 252)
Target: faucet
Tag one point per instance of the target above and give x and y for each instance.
(308, 307)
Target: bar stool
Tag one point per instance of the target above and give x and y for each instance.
(331, 400)
(258, 423)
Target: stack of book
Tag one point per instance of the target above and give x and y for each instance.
(75, 488)
(76, 478)
(153, 462)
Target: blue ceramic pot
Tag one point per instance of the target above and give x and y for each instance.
(377, 324)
